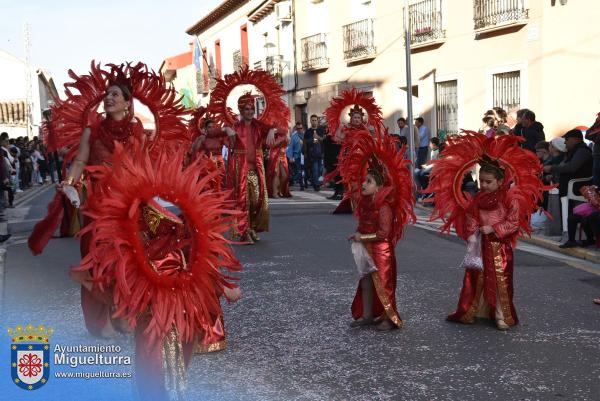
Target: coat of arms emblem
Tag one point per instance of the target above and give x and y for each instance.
(30, 356)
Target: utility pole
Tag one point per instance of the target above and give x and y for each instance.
(28, 100)
(410, 121)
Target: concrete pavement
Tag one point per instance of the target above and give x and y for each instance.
(289, 337)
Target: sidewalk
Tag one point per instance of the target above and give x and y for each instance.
(591, 253)
(22, 197)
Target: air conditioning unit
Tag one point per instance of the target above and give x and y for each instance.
(283, 11)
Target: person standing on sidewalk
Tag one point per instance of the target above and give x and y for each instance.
(4, 184)
(294, 153)
(424, 136)
(313, 143)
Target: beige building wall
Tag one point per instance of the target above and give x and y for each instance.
(227, 31)
(553, 48)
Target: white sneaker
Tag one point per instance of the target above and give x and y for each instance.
(18, 191)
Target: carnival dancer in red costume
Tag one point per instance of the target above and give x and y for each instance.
(163, 271)
(70, 223)
(385, 205)
(247, 136)
(491, 222)
(278, 179)
(346, 133)
(90, 139)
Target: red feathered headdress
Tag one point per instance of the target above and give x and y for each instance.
(461, 153)
(187, 293)
(381, 157)
(356, 98)
(199, 117)
(247, 99)
(276, 112)
(84, 94)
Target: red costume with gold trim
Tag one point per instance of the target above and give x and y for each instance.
(161, 271)
(209, 142)
(508, 210)
(245, 172)
(382, 217)
(278, 167)
(157, 271)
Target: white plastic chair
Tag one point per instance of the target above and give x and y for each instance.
(564, 200)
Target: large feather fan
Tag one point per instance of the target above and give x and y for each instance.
(117, 258)
(368, 152)
(461, 153)
(276, 112)
(351, 97)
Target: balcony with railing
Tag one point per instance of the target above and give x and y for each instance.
(359, 41)
(490, 15)
(238, 60)
(314, 52)
(212, 78)
(426, 23)
(274, 66)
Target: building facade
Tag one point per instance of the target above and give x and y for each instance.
(467, 56)
(16, 117)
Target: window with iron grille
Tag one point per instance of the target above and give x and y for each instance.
(447, 106)
(506, 88)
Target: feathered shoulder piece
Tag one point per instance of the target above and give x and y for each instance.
(156, 263)
(85, 93)
(380, 157)
(276, 112)
(520, 167)
(359, 102)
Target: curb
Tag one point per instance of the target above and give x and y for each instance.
(30, 194)
(581, 253)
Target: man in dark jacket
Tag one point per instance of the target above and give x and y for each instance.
(331, 152)
(577, 164)
(313, 148)
(530, 129)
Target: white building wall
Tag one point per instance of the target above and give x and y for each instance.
(13, 87)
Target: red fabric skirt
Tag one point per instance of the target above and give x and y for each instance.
(278, 167)
(384, 283)
(495, 282)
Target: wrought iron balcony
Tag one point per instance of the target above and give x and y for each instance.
(274, 66)
(359, 40)
(213, 78)
(488, 14)
(426, 22)
(314, 52)
(238, 60)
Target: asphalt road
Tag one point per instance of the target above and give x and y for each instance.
(289, 337)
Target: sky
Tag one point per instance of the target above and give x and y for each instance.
(70, 34)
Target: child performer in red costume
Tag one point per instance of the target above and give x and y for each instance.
(385, 205)
(345, 134)
(509, 191)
